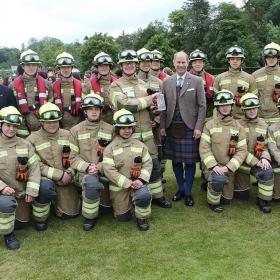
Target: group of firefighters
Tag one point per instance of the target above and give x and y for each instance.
(104, 137)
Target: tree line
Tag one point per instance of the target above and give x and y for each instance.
(197, 25)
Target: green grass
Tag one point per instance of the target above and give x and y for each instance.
(182, 243)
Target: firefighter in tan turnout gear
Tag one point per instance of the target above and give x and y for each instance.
(268, 82)
(130, 93)
(52, 145)
(20, 180)
(257, 162)
(235, 79)
(222, 150)
(31, 91)
(67, 92)
(128, 166)
(274, 149)
(87, 143)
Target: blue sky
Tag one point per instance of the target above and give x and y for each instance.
(71, 20)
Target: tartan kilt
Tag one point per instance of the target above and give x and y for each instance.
(184, 149)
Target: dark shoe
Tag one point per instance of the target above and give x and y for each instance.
(255, 183)
(216, 208)
(264, 206)
(204, 185)
(178, 196)
(41, 226)
(189, 200)
(142, 224)
(162, 202)
(89, 224)
(11, 241)
(163, 180)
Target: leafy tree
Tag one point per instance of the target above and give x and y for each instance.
(125, 40)
(8, 57)
(273, 33)
(97, 43)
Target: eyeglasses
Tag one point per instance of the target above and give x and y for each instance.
(146, 56)
(51, 116)
(127, 54)
(235, 50)
(157, 56)
(251, 102)
(65, 61)
(198, 55)
(92, 101)
(272, 52)
(13, 119)
(31, 58)
(222, 97)
(126, 119)
(104, 59)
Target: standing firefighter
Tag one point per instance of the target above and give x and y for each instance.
(128, 166)
(268, 82)
(20, 180)
(257, 162)
(32, 91)
(53, 147)
(130, 92)
(88, 141)
(156, 64)
(222, 150)
(67, 92)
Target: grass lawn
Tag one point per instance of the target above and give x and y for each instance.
(182, 243)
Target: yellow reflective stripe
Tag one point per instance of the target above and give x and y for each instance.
(206, 138)
(63, 142)
(277, 78)
(143, 103)
(155, 187)
(261, 130)
(270, 140)
(216, 129)
(207, 159)
(143, 88)
(270, 120)
(145, 172)
(115, 94)
(264, 189)
(22, 151)
(215, 90)
(90, 208)
(117, 152)
(3, 154)
(127, 89)
(50, 172)
(234, 131)
(20, 194)
(243, 83)
(146, 157)
(114, 188)
(247, 129)
(72, 171)
(235, 162)
(23, 132)
(276, 170)
(83, 136)
(136, 150)
(261, 79)
(143, 211)
(241, 143)
(32, 160)
(121, 180)
(136, 135)
(108, 161)
(80, 165)
(215, 199)
(245, 168)
(74, 148)
(103, 135)
(42, 146)
(156, 86)
(255, 91)
(225, 82)
(276, 133)
(7, 222)
(147, 134)
(33, 186)
(249, 158)
(41, 211)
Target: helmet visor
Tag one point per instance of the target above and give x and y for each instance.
(272, 52)
(235, 50)
(125, 120)
(51, 116)
(29, 58)
(128, 54)
(146, 56)
(250, 102)
(91, 101)
(13, 119)
(198, 55)
(65, 61)
(223, 97)
(158, 56)
(104, 60)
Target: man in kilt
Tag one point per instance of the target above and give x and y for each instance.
(181, 123)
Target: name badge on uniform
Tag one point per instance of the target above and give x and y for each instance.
(130, 94)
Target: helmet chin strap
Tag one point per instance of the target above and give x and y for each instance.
(66, 77)
(224, 116)
(34, 75)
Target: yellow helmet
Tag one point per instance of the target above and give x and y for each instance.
(249, 101)
(91, 100)
(197, 55)
(64, 59)
(223, 97)
(144, 54)
(29, 57)
(124, 117)
(127, 56)
(157, 55)
(102, 58)
(49, 112)
(271, 49)
(235, 51)
(10, 115)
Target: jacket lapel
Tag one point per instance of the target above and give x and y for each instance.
(186, 84)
